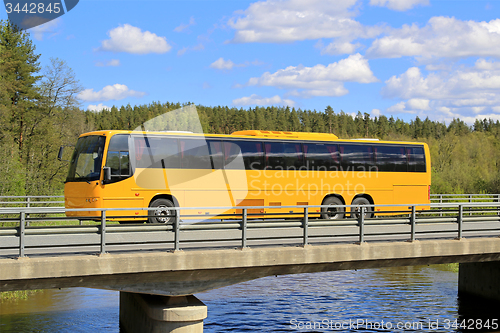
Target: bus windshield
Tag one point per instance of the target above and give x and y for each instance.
(86, 161)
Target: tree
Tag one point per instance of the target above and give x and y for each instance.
(329, 116)
(38, 113)
(18, 76)
(59, 86)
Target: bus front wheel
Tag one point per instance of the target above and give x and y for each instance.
(358, 202)
(332, 213)
(162, 212)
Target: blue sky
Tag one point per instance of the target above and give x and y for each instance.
(393, 57)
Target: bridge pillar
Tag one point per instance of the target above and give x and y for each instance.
(155, 313)
(480, 279)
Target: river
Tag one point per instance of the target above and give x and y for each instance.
(410, 299)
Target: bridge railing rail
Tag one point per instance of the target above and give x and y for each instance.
(247, 227)
(443, 198)
(53, 200)
(32, 200)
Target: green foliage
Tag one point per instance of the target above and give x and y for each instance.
(12, 175)
(37, 115)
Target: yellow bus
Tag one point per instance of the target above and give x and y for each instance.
(131, 169)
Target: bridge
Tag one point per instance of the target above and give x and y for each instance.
(157, 267)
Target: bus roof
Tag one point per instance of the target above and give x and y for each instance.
(254, 134)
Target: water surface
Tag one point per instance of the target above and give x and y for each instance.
(421, 298)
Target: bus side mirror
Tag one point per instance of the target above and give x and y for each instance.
(60, 154)
(107, 174)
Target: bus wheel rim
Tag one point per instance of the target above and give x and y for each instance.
(162, 211)
(332, 212)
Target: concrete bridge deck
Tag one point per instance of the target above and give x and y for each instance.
(193, 271)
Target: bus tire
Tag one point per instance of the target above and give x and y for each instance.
(333, 213)
(162, 209)
(358, 202)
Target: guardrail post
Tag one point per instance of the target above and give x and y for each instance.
(460, 221)
(103, 232)
(361, 221)
(413, 222)
(28, 206)
(470, 200)
(244, 228)
(498, 202)
(177, 225)
(22, 221)
(441, 203)
(306, 226)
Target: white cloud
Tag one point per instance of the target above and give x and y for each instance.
(182, 51)
(258, 100)
(109, 63)
(222, 64)
(114, 92)
(483, 64)
(183, 27)
(399, 5)
(319, 80)
(376, 113)
(466, 83)
(131, 39)
(99, 107)
(466, 92)
(339, 47)
(287, 21)
(398, 108)
(49, 28)
(418, 104)
(441, 37)
(197, 47)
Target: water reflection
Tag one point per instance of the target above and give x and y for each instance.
(417, 296)
(412, 295)
(66, 310)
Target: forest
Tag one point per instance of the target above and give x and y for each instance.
(40, 111)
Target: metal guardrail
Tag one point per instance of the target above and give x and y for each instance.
(32, 200)
(242, 229)
(442, 198)
(470, 198)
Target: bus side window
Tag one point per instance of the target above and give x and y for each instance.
(416, 159)
(391, 158)
(283, 156)
(250, 151)
(168, 152)
(322, 157)
(118, 157)
(356, 157)
(156, 152)
(195, 154)
(216, 154)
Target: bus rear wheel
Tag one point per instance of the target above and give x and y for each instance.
(356, 211)
(162, 212)
(332, 213)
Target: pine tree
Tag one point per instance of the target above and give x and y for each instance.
(18, 76)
